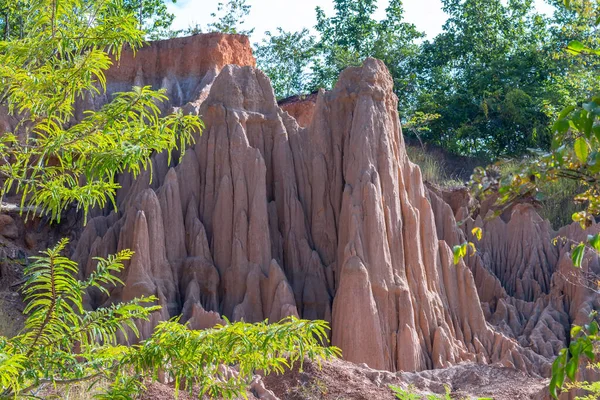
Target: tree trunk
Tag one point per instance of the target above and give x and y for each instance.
(141, 13)
(6, 25)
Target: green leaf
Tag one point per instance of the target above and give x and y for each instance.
(596, 130)
(560, 377)
(561, 126)
(581, 149)
(473, 248)
(459, 251)
(563, 114)
(552, 387)
(593, 329)
(477, 232)
(571, 368)
(594, 241)
(575, 330)
(577, 255)
(575, 47)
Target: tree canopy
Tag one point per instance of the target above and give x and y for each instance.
(495, 78)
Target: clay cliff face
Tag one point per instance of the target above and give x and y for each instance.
(264, 218)
(526, 282)
(302, 108)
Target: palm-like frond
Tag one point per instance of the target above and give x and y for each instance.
(181, 353)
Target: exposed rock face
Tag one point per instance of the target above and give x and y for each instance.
(302, 108)
(184, 67)
(264, 219)
(527, 285)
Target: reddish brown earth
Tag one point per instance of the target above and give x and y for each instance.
(264, 218)
(302, 108)
(338, 379)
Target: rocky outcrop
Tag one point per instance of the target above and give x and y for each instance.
(263, 218)
(525, 277)
(526, 282)
(302, 108)
(184, 67)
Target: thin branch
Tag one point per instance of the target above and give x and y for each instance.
(59, 382)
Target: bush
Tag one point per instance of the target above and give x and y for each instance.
(556, 196)
(433, 167)
(63, 345)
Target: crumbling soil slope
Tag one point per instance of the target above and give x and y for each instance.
(338, 379)
(264, 219)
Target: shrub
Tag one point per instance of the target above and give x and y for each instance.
(62, 344)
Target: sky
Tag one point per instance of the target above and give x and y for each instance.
(294, 15)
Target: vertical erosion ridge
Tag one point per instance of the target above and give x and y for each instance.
(264, 218)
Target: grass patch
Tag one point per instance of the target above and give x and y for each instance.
(446, 171)
(433, 168)
(557, 198)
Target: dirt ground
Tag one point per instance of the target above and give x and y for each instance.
(338, 380)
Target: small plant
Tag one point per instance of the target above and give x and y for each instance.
(411, 394)
(310, 390)
(408, 394)
(63, 345)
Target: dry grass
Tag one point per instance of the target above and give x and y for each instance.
(556, 199)
(78, 391)
(433, 168)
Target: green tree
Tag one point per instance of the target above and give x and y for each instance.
(152, 16)
(12, 19)
(352, 34)
(287, 58)
(53, 161)
(298, 63)
(498, 75)
(572, 78)
(485, 75)
(230, 18)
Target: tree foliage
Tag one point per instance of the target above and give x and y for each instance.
(63, 344)
(230, 18)
(353, 34)
(298, 63)
(286, 58)
(484, 74)
(153, 17)
(51, 161)
(497, 75)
